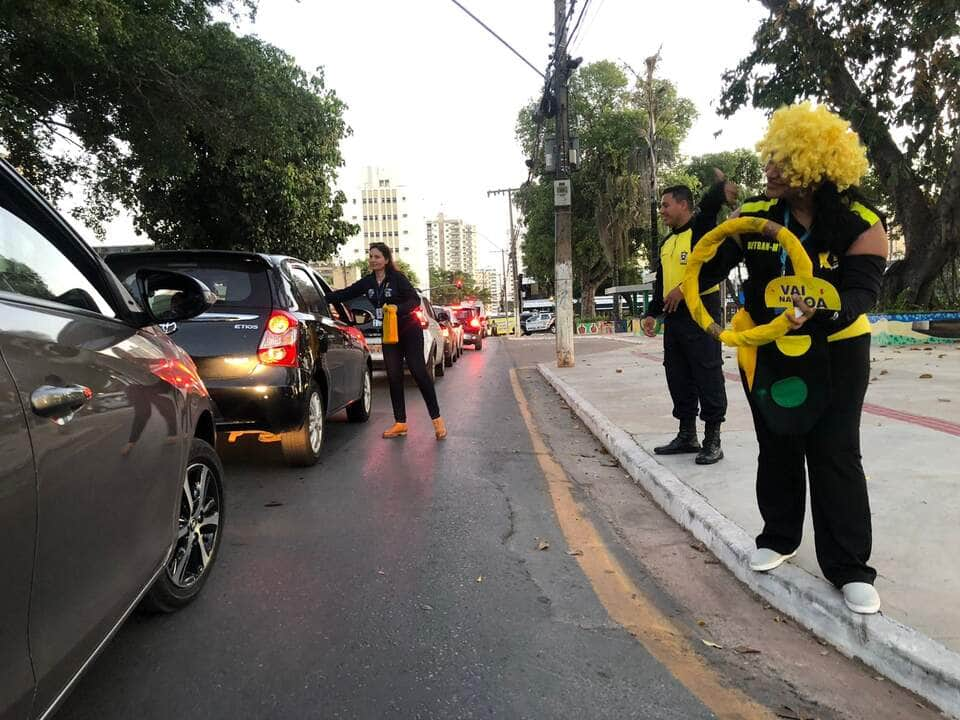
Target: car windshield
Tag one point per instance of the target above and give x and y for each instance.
(237, 283)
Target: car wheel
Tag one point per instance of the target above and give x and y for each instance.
(448, 359)
(198, 533)
(431, 367)
(553, 329)
(441, 369)
(478, 345)
(301, 447)
(360, 410)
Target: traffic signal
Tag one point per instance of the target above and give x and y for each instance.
(459, 284)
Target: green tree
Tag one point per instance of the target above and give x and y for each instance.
(207, 138)
(885, 65)
(742, 166)
(444, 290)
(609, 116)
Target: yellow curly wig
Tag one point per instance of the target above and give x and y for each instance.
(810, 144)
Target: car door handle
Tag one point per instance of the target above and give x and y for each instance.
(49, 400)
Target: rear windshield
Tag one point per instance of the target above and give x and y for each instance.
(464, 313)
(237, 283)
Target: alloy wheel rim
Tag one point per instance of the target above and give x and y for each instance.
(316, 423)
(198, 526)
(367, 391)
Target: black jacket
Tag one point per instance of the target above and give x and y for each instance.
(395, 290)
(703, 221)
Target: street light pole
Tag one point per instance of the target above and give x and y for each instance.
(513, 257)
(563, 230)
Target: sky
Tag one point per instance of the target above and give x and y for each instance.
(434, 97)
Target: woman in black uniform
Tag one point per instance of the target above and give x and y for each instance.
(814, 162)
(385, 285)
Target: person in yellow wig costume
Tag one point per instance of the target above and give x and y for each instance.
(806, 389)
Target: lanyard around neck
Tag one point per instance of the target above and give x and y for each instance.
(783, 252)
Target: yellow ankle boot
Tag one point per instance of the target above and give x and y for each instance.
(439, 428)
(398, 430)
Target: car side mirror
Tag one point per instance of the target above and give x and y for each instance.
(361, 317)
(171, 296)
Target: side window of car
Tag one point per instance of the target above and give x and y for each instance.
(309, 292)
(32, 266)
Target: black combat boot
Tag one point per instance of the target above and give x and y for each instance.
(684, 442)
(711, 451)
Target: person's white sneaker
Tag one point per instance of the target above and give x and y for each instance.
(764, 559)
(861, 597)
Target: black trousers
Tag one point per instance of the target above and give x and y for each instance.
(409, 349)
(694, 365)
(838, 488)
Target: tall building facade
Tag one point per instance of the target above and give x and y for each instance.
(452, 245)
(489, 279)
(386, 212)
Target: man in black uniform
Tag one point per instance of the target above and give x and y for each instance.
(692, 359)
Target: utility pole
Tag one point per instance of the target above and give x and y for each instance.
(651, 143)
(513, 257)
(562, 191)
(503, 289)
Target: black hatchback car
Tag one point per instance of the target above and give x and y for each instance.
(111, 491)
(277, 358)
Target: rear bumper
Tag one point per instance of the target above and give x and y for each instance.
(275, 406)
(471, 338)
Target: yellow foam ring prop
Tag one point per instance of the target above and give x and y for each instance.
(706, 249)
(746, 354)
(793, 345)
(816, 293)
(391, 331)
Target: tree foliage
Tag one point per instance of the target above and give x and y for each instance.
(609, 116)
(402, 265)
(444, 290)
(892, 68)
(209, 139)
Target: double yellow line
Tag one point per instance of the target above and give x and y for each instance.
(624, 601)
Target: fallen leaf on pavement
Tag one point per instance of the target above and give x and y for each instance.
(574, 552)
(884, 372)
(619, 370)
(273, 503)
(746, 650)
(702, 623)
(925, 376)
(543, 544)
(712, 644)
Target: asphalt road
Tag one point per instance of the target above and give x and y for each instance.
(403, 579)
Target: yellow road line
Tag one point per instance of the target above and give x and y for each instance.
(624, 601)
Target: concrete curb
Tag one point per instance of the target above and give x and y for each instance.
(902, 654)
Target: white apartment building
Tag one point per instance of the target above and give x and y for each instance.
(386, 212)
(489, 279)
(452, 245)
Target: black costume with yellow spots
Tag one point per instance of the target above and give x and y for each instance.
(823, 398)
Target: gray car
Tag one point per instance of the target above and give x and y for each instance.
(110, 490)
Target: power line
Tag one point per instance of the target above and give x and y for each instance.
(590, 21)
(487, 28)
(576, 26)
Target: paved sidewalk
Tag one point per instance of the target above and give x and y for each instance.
(911, 450)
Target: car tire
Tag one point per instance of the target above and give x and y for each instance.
(359, 411)
(553, 329)
(432, 367)
(441, 369)
(301, 447)
(478, 345)
(201, 507)
(448, 359)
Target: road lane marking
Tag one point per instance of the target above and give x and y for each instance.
(623, 600)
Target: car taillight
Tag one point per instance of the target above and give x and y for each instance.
(421, 317)
(278, 347)
(475, 323)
